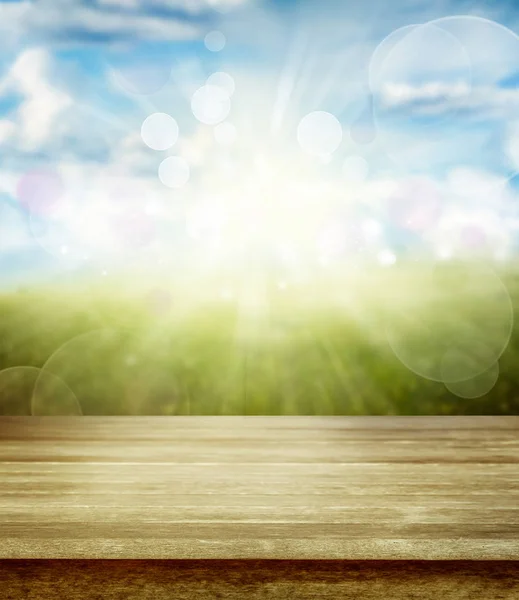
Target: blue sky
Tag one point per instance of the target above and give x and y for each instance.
(427, 108)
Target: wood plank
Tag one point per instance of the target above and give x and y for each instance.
(255, 579)
(365, 488)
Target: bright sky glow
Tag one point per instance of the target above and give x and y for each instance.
(224, 142)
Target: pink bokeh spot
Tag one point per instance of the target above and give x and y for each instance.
(416, 205)
(40, 191)
(134, 229)
(473, 237)
(122, 191)
(129, 222)
(339, 238)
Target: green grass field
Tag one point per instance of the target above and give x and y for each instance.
(325, 345)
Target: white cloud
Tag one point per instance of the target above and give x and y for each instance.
(191, 6)
(7, 129)
(477, 215)
(512, 146)
(478, 188)
(437, 97)
(120, 3)
(131, 154)
(478, 231)
(394, 94)
(42, 103)
(11, 19)
(72, 21)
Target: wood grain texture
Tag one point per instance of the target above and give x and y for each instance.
(257, 580)
(357, 488)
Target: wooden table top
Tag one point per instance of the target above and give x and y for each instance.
(358, 488)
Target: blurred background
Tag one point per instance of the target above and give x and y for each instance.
(259, 207)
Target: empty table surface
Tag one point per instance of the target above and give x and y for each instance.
(353, 488)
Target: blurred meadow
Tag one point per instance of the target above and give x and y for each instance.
(410, 339)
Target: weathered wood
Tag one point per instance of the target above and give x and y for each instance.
(260, 487)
